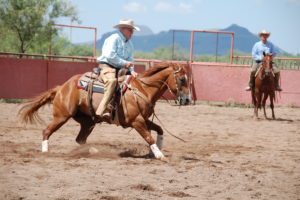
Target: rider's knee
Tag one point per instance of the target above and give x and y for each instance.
(254, 68)
(112, 80)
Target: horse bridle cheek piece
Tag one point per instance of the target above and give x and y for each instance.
(175, 80)
(267, 71)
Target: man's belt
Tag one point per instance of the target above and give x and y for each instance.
(258, 61)
(105, 63)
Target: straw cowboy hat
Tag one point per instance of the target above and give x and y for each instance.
(127, 23)
(264, 32)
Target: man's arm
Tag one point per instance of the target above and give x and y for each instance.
(273, 50)
(255, 54)
(130, 59)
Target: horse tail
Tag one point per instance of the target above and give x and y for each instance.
(28, 113)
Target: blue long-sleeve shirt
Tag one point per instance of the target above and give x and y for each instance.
(259, 48)
(117, 51)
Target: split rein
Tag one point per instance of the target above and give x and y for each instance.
(143, 96)
(262, 68)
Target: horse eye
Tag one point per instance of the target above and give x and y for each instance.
(182, 80)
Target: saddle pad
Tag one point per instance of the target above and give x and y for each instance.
(98, 86)
(84, 80)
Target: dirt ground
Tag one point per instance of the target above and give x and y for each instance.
(228, 155)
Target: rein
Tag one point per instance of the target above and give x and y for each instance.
(262, 68)
(136, 92)
(164, 83)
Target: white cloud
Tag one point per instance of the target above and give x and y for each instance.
(134, 7)
(167, 7)
(186, 7)
(164, 7)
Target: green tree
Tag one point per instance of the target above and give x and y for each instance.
(79, 50)
(31, 21)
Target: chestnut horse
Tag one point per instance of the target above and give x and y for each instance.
(264, 86)
(135, 108)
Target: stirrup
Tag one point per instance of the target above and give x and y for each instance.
(248, 88)
(105, 115)
(278, 89)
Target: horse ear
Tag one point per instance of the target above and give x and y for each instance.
(264, 53)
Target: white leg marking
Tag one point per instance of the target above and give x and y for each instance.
(157, 153)
(45, 146)
(159, 141)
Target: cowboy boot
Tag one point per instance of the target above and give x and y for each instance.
(277, 87)
(251, 81)
(109, 90)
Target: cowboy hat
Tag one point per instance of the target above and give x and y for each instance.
(264, 32)
(127, 23)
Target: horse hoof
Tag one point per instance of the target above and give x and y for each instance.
(93, 150)
(81, 142)
(164, 159)
(45, 146)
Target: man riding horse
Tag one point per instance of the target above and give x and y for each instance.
(258, 49)
(117, 53)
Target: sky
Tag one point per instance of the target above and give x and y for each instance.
(280, 17)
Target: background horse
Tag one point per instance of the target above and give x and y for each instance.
(137, 104)
(264, 86)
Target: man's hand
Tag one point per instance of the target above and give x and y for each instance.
(129, 64)
(134, 74)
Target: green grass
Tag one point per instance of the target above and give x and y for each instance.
(12, 100)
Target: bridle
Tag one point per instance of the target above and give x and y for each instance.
(176, 80)
(268, 71)
(136, 92)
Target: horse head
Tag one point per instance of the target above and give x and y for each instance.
(267, 62)
(179, 84)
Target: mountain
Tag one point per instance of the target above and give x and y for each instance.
(205, 43)
(145, 30)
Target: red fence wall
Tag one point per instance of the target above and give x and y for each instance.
(217, 83)
(25, 78)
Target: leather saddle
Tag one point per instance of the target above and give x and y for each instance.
(98, 85)
(94, 76)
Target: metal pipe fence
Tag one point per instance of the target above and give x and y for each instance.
(47, 57)
(281, 62)
(205, 46)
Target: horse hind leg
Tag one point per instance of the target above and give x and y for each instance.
(86, 127)
(56, 123)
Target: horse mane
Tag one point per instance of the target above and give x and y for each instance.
(156, 69)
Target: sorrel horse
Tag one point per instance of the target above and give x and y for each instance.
(264, 86)
(135, 108)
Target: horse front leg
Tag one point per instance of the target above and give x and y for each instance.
(160, 133)
(272, 97)
(258, 103)
(141, 127)
(264, 104)
(86, 127)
